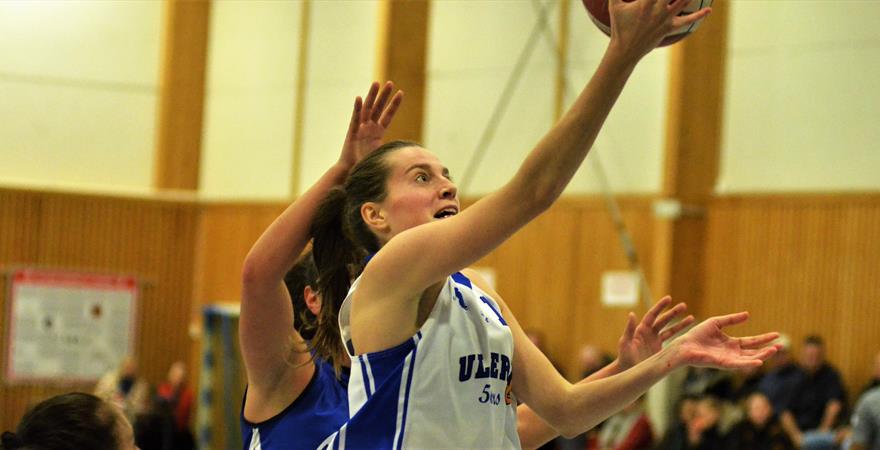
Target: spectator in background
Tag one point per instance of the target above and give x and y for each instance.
(745, 383)
(782, 377)
(74, 421)
(676, 435)
(125, 389)
(178, 398)
(629, 429)
(817, 402)
(707, 381)
(700, 430)
(591, 359)
(866, 422)
(761, 429)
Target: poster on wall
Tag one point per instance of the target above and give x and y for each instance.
(68, 327)
(620, 288)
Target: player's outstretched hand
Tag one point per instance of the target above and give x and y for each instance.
(369, 120)
(638, 26)
(644, 338)
(707, 345)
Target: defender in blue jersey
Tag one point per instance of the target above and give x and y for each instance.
(418, 337)
(294, 399)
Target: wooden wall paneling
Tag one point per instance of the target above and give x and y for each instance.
(228, 230)
(602, 251)
(19, 238)
(800, 266)
(549, 272)
(151, 239)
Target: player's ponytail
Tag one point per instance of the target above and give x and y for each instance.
(334, 254)
(341, 241)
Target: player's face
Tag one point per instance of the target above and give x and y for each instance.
(420, 190)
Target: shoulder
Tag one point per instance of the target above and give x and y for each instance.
(478, 280)
(871, 399)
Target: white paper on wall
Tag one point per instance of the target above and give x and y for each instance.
(68, 327)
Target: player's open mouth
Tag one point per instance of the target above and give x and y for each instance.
(446, 212)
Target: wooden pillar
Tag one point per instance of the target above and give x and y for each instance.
(182, 94)
(693, 146)
(562, 59)
(302, 72)
(402, 58)
(692, 153)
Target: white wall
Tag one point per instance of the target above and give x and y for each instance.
(630, 145)
(803, 99)
(341, 66)
(78, 83)
(252, 74)
(471, 55)
(247, 142)
(79, 87)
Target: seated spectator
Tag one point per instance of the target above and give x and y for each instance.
(629, 429)
(761, 429)
(178, 398)
(782, 376)
(745, 383)
(866, 422)
(73, 421)
(817, 401)
(703, 432)
(705, 381)
(591, 359)
(676, 435)
(700, 430)
(125, 389)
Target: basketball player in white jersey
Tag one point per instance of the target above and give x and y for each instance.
(433, 360)
(312, 403)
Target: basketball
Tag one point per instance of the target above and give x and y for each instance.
(598, 10)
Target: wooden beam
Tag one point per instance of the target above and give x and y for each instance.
(696, 97)
(693, 145)
(402, 58)
(182, 92)
(562, 58)
(299, 112)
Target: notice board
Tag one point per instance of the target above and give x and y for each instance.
(68, 327)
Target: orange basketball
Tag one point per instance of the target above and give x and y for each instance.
(598, 10)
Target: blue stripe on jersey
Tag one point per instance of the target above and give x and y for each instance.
(375, 424)
(460, 278)
(409, 377)
(365, 373)
(492, 307)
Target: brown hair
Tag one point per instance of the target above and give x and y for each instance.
(342, 240)
(67, 422)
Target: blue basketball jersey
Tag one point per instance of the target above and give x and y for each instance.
(319, 411)
(448, 386)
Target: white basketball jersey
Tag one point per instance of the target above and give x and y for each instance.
(446, 387)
